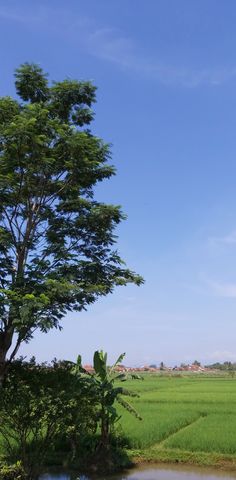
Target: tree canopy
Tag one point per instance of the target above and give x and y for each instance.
(57, 250)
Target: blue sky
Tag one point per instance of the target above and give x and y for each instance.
(166, 77)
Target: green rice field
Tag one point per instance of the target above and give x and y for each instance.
(183, 416)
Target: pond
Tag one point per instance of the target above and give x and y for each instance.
(154, 472)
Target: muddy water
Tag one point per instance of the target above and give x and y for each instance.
(154, 473)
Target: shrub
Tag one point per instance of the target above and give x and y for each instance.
(12, 472)
(40, 404)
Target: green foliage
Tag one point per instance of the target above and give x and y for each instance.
(106, 394)
(59, 410)
(56, 240)
(12, 472)
(31, 83)
(39, 405)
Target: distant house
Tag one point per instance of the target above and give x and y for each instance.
(121, 368)
(88, 368)
(191, 368)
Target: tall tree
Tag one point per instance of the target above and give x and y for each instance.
(56, 241)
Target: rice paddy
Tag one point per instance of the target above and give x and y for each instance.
(188, 414)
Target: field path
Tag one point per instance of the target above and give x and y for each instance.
(161, 444)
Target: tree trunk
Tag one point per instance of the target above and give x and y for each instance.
(105, 431)
(3, 366)
(5, 344)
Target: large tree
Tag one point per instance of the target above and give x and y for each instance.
(56, 241)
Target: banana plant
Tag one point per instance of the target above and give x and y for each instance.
(108, 394)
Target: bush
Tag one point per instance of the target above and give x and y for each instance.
(12, 472)
(39, 406)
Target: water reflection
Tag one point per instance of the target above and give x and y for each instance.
(153, 473)
(55, 476)
(69, 476)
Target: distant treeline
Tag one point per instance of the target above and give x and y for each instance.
(222, 366)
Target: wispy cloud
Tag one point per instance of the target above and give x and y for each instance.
(229, 239)
(222, 289)
(113, 46)
(20, 16)
(110, 45)
(222, 356)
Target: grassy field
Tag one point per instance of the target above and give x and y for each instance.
(185, 419)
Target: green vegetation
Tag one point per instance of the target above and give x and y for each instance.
(57, 255)
(226, 366)
(41, 408)
(56, 240)
(12, 472)
(105, 394)
(60, 413)
(185, 419)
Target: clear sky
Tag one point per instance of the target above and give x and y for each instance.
(166, 77)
